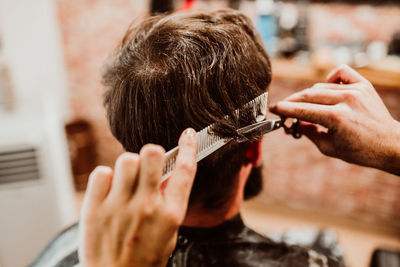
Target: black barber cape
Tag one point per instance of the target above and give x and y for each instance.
(229, 244)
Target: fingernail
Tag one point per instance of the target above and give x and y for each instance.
(189, 133)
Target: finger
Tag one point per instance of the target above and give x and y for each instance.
(181, 180)
(333, 86)
(99, 185)
(314, 113)
(345, 74)
(317, 96)
(321, 139)
(126, 173)
(152, 161)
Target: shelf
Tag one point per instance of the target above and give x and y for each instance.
(384, 75)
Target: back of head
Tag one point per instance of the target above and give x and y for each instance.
(184, 70)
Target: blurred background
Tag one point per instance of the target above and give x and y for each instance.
(53, 130)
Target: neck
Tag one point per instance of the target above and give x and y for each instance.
(197, 216)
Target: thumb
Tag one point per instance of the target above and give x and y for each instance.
(181, 180)
(321, 139)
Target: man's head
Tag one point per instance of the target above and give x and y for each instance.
(184, 70)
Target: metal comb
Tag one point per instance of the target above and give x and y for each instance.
(208, 142)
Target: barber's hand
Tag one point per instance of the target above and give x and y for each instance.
(359, 127)
(127, 219)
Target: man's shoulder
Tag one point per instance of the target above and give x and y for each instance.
(62, 250)
(250, 248)
(288, 255)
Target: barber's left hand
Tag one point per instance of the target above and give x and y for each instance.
(127, 219)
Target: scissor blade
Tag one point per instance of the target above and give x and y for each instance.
(260, 128)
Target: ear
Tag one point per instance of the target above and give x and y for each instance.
(253, 153)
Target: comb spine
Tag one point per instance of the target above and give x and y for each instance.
(209, 142)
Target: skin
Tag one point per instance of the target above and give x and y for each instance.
(197, 216)
(126, 214)
(128, 220)
(357, 127)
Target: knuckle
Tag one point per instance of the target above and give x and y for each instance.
(101, 170)
(127, 159)
(343, 68)
(186, 165)
(147, 210)
(306, 94)
(318, 85)
(366, 85)
(350, 96)
(334, 117)
(152, 151)
(299, 111)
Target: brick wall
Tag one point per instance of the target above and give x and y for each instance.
(295, 172)
(91, 30)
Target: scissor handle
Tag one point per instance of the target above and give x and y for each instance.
(293, 129)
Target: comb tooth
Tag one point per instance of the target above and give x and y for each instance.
(209, 142)
(203, 140)
(200, 141)
(208, 138)
(200, 145)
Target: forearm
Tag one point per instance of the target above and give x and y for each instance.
(391, 162)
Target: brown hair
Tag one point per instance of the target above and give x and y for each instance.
(184, 70)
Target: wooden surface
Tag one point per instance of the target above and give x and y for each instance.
(384, 75)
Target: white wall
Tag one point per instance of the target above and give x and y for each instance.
(32, 213)
(32, 48)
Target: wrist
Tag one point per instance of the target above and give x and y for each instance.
(391, 162)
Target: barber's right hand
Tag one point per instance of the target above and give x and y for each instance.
(359, 127)
(127, 218)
